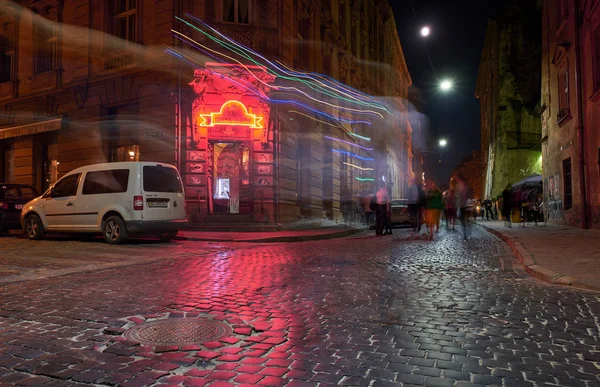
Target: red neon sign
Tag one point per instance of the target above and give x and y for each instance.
(232, 113)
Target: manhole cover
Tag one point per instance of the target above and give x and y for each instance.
(178, 331)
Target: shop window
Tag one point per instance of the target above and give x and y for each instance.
(236, 11)
(121, 134)
(568, 188)
(5, 59)
(563, 93)
(45, 46)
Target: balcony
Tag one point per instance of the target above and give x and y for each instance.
(118, 60)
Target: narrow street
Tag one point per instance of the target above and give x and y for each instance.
(358, 311)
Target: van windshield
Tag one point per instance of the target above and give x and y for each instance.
(161, 179)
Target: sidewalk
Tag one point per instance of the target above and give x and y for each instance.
(557, 254)
(269, 236)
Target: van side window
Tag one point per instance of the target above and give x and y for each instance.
(67, 186)
(105, 182)
(161, 179)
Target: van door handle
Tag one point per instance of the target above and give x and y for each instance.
(69, 204)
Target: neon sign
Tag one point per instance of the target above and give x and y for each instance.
(232, 113)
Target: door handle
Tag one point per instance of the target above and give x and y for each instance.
(69, 204)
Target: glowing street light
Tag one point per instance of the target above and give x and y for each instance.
(446, 85)
(443, 142)
(425, 31)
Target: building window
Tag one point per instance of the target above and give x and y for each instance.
(125, 27)
(236, 11)
(45, 46)
(563, 93)
(568, 188)
(5, 59)
(596, 59)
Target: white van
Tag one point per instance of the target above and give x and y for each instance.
(115, 199)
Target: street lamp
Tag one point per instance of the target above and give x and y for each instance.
(425, 31)
(446, 85)
(443, 142)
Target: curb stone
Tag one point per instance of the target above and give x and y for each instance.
(534, 269)
(273, 239)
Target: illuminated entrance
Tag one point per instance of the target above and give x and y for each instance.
(229, 185)
(229, 151)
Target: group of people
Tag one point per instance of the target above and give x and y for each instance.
(426, 206)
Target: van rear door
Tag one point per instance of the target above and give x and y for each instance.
(163, 197)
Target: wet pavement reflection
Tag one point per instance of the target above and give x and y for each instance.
(354, 311)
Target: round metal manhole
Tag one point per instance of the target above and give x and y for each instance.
(178, 331)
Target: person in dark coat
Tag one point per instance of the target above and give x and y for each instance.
(507, 205)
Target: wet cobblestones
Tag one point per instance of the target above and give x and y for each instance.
(354, 311)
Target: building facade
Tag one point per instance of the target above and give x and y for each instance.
(508, 91)
(229, 91)
(571, 108)
(471, 169)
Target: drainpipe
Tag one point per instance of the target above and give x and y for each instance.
(580, 122)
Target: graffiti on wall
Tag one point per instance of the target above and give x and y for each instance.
(554, 204)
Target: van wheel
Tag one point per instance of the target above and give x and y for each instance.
(113, 230)
(34, 229)
(166, 237)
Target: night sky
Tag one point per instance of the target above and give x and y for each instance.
(455, 45)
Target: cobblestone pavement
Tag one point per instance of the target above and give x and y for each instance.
(355, 311)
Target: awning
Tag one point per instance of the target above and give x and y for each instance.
(27, 128)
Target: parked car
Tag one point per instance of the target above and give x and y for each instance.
(12, 199)
(400, 213)
(115, 199)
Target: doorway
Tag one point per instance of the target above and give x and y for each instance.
(229, 183)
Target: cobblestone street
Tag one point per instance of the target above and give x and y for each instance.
(359, 311)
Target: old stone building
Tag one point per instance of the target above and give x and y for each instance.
(571, 110)
(508, 90)
(471, 169)
(232, 98)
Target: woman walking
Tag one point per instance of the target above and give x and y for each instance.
(433, 206)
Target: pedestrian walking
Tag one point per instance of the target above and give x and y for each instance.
(416, 200)
(380, 213)
(450, 208)
(433, 208)
(462, 197)
(487, 205)
(388, 218)
(507, 204)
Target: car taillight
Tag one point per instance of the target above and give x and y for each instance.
(3, 206)
(138, 203)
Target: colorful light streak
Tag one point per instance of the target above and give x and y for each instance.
(282, 67)
(353, 155)
(254, 90)
(348, 142)
(361, 111)
(236, 47)
(359, 136)
(358, 167)
(364, 179)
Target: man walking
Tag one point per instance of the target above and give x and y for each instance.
(380, 214)
(487, 204)
(462, 198)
